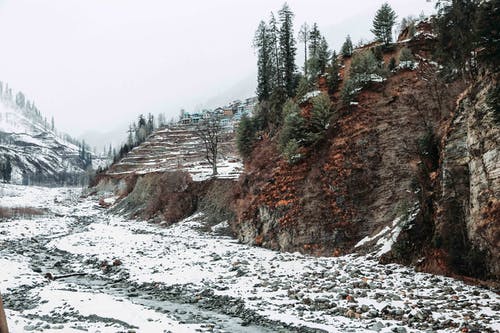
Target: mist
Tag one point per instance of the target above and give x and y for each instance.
(96, 65)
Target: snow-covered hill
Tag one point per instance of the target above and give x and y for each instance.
(33, 152)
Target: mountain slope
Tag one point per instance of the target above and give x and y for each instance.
(36, 154)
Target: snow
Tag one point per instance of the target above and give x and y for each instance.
(388, 235)
(310, 95)
(274, 285)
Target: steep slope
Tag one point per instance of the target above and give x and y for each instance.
(35, 153)
(383, 180)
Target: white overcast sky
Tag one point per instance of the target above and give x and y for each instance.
(97, 64)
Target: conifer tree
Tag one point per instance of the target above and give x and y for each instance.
(333, 74)
(383, 22)
(287, 48)
(456, 35)
(346, 50)
(245, 136)
(320, 118)
(488, 33)
(263, 45)
(276, 79)
(323, 55)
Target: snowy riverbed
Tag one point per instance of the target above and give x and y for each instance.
(138, 277)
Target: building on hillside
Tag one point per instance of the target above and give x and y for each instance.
(230, 114)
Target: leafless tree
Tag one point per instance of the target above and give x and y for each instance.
(209, 130)
(3, 319)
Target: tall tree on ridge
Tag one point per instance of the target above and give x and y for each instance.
(263, 45)
(346, 50)
(384, 20)
(287, 48)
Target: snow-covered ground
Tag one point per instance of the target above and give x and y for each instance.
(190, 277)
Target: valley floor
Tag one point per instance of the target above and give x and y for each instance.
(190, 277)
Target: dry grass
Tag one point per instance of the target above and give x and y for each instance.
(24, 212)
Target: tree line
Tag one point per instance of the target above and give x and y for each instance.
(467, 34)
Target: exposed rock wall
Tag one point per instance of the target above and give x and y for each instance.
(470, 177)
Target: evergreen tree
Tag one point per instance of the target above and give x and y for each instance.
(333, 78)
(314, 40)
(488, 33)
(245, 136)
(323, 55)
(287, 49)
(276, 63)
(314, 47)
(20, 100)
(456, 34)
(303, 88)
(262, 43)
(383, 22)
(363, 66)
(406, 58)
(346, 50)
(292, 134)
(320, 118)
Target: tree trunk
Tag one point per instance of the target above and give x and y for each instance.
(3, 319)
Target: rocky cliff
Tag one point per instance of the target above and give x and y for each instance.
(468, 216)
(409, 173)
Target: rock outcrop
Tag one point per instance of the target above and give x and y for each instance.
(469, 209)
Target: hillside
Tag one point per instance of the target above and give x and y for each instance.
(177, 147)
(35, 153)
(390, 177)
(405, 168)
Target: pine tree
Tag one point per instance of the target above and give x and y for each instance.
(333, 78)
(303, 88)
(263, 45)
(384, 20)
(363, 66)
(276, 79)
(488, 33)
(245, 136)
(320, 118)
(287, 48)
(20, 100)
(346, 50)
(292, 134)
(314, 40)
(323, 55)
(456, 34)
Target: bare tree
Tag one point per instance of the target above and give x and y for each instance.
(3, 319)
(304, 38)
(209, 130)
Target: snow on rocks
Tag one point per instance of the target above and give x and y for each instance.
(184, 273)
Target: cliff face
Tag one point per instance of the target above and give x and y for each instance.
(408, 174)
(470, 183)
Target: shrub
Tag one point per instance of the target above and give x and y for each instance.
(406, 59)
(291, 152)
(349, 92)
(245, 136)
(294, 125)
(303, 88)
(216, 202)
(320, 118)
(363, 65)
(392, 64)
